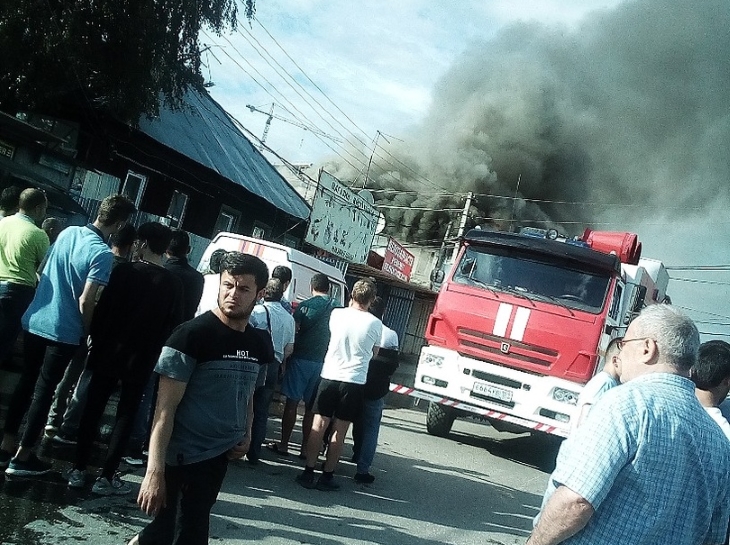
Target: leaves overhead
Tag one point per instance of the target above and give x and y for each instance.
(117, 55)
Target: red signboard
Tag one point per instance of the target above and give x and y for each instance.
(398, 261)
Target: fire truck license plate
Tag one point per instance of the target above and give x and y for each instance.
(492, 391)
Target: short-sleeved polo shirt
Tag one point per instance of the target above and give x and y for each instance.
(23, 245)
(78, 256)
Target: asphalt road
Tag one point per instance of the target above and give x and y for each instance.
(477, 486)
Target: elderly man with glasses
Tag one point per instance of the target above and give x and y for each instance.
(650, 466)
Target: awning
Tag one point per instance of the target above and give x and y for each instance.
(12, 127)
(28, 177)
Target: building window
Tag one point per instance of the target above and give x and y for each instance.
(134, 186)
(260, 230)
(227, 220)
(176, 210)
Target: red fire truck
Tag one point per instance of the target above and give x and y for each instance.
(521, 322)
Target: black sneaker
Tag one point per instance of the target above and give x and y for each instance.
(364, 478)
(30, 468)
(306, 479)
(5, 457)
(327, 485)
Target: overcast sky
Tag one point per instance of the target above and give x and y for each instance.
(349, 69)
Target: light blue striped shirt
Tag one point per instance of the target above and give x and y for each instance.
(653, 465)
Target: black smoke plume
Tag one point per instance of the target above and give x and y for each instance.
(627, 113)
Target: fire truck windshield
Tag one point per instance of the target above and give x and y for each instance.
(535, 275)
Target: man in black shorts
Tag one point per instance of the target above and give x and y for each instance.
(354, 335)
(208, 368)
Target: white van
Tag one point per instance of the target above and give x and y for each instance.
(303, 267)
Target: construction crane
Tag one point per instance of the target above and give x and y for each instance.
(270, 115)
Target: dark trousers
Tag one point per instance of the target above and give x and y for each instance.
(44, 362)
(101, 388)
(191, 493)
(261, 403)
(14, 301)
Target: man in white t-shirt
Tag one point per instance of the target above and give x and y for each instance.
(601, 383)
(711, 375)
(354, 336)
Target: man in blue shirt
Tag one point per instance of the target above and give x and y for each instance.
(649, 466)
(78, 265)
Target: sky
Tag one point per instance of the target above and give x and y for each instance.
(620, 108)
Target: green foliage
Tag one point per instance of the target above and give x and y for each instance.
(119, 55)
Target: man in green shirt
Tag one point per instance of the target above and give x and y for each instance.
(23, 246)
(303, 369)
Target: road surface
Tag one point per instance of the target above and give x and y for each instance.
(478, 486)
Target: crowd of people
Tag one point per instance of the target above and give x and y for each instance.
(106, 307)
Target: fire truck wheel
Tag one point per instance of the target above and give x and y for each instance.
(439, 419)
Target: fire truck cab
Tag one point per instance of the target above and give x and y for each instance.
(522, 320)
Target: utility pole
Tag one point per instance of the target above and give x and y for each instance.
(462, 223)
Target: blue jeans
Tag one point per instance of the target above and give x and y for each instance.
(14, 301)
(365, 433)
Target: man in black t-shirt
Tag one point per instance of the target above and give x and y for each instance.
(177, 263)
(135, 314)
(209, 369)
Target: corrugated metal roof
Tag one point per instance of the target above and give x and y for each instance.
(202, 131)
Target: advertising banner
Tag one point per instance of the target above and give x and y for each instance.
(398, 261)
(342, 222)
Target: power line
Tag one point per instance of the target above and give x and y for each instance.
(694, 280)
(698, 267)
(704, 312)
(308, 78)
(355, 136)
(255, 48)
(279, 92)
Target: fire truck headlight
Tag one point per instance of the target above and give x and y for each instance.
(565, 396)
(433, 360)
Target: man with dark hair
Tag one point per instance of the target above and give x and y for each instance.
(22, 249)
(122, 242)
(305, 365)
(76, 379)
(711, 375)
(284, 274)
(354, 334)
(9, 200)
(136, 312)
(648, 465)
(177, 263)
(55, 323)
(274, 318)
(208, 368)
(52, 227)
(366, 427)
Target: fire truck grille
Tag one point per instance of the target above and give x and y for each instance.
(483, 345)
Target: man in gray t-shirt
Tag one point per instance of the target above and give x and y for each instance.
(208, 371)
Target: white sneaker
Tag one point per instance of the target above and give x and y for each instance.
(75, 477)
(116, 487)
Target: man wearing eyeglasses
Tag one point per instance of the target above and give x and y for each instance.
(649, 466)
